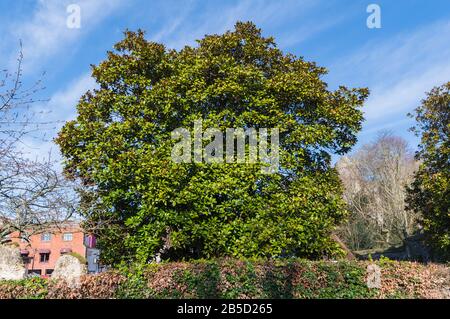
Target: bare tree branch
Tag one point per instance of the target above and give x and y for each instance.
(33, 194)
(375, 178)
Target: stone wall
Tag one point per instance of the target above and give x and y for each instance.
(11, 264)
(70, 269)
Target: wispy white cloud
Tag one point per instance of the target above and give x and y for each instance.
(45, 33)
(308, 30)
(185, 27)
(406, 93)
(398, 71)
(62, 103)
(59, 109)
(46, 36)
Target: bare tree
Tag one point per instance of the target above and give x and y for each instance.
(33, 194)
(374, 179)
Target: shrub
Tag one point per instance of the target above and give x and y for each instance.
(30, 288)
(231, 278)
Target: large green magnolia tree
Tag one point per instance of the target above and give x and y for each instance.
(142, 204)
(430, 192)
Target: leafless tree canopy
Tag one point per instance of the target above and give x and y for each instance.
(33, 194)
(374, 179)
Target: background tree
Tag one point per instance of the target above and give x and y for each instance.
(33, 194)
(430, 192)
(142, 204)
(375, 178)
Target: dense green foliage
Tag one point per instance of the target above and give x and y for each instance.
(430, 192)
(140, 202)
(217, 279)
(30, 288)
(281, 279)
(227, 278)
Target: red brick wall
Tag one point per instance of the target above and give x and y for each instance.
(54, 245)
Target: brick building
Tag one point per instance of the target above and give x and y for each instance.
(41, 251)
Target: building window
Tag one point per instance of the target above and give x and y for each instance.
(65, 251)
(44, 257)
(46, 237)
(48, 272)
(67, 236)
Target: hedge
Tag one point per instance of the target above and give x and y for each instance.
(229, 278)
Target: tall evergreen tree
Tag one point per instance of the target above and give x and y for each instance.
(141, 203)
(430, 192)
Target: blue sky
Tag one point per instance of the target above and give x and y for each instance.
(399, 62)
